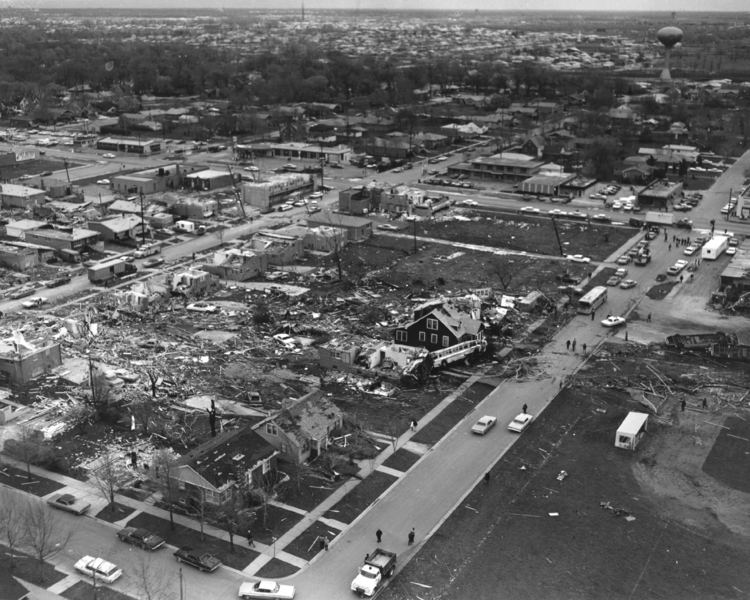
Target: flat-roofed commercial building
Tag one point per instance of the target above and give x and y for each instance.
(507, 166)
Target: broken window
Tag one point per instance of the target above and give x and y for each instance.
(422, 336)
(432, 324)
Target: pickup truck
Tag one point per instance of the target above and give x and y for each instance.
(378, 565)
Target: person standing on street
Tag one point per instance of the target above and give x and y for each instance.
(524, 408)
(250, 541)
(411, 536)
(378, 535)
(574, 344)
(567, 344)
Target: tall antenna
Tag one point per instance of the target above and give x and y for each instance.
(303, 10)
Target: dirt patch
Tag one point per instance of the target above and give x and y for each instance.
(19, 479)
(85, 591)
(359, 498)
(660, 290)
(272, 522)
(27, 568)
(306, 488)
(111, 514)
(310, 542)
(401, 460)
(728, 460)
(276, 569)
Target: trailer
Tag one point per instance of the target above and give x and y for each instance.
(659, 218)
(715, 247)
(378, 565)
(106, 272)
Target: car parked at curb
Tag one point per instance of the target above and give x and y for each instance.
(521, 422)
(98, 569)
(68, 503)
(265, 588)
(628, 283)
(613, 321)
(203, 561)
(141, 538)
(484, 424)
(579, 258)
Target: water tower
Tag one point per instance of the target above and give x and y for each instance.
(668, 36)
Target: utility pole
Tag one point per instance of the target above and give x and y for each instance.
(414, 233)
(143, 225)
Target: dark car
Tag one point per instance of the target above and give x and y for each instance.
(69, 503)
(195, 558)
(153, 262)
(684, 224)
(140, 537)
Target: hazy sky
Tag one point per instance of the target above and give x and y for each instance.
(623, 5)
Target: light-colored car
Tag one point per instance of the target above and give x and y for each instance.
(613, 321)
(484, 424)
(628, 283)
(265, 588)
(69, 503)
(388, 227)
(34, 302)
(623, 260)
(731, 251)
(621, 272)
(579, 258)
(202, 307)
(530, 210)
(98, 569)
(690, 250)
(613, 281)
(469, 202)
(521, 422)
(108, 155)
(616, 205)
(677, 268)
(102, 182)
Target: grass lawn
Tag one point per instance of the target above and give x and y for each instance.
(307, 544)
(184, 536)
(306, 490)
(276, 569)
(351, 506)
(18, 478)
(401, 460)
(277, 522)
(112, 514)
(434, 431)
(26, 568)
(85, 591)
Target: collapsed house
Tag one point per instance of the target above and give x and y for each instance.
(237, 265)
(22, 360)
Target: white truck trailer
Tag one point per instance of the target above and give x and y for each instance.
(714, 247)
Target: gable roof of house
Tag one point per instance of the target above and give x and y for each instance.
(218, 459)
(311, 416)
(460, 323)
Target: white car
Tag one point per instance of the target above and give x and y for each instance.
(731, 251)
(616, 205)
(521, 422)
(613, 321)
(102, 182)
(628, 283)
(98, 569)
(484, 424)
(34, 302)
(108, 155)
(677, 268)
(529, 209)
(690, 250)
(469, 202)
(388, 227)
(579, 258)
(202, 307)
(265, 588)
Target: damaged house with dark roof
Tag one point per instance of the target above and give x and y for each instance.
(440, 324)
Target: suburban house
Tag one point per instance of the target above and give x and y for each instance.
(126, 227)
(439, 324)
(237, 459)
(74, 239)
(20, 196)
(302, 430)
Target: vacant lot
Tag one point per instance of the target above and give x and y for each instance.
(677, 533)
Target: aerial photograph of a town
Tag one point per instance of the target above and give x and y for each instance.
(395, 300)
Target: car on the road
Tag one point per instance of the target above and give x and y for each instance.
(616, 205)
(265, 588)
(733, 241)
(651, 234)
(469, 202)
(203, 307)
(484, 424)
(153, 262)
(520, 422)
(108, 155)
(628, 283)
(98, 569)
(34, 302)
(69, 503)
(731, 251)
(285, 207)
(58, 281)
(22, 293)
(299, 203)
(140, 537)
(613, 321)
(682, 207)
(202, 561)
(597, 196)
(677, 268)
(103, 182)
(45, 174)
(338, 166)
(388, 227)
(601, 218)
(529, 210)
(621, 272)
(690, 250)
(579, 258)
(623, 260)
(684, 224)
(613, 281)
(556, 212)
(25, 176)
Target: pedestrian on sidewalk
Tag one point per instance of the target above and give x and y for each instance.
(411, 536)
(567, 344)
(378, 535)
(584, 347)
(413, 425)
(250, 541)
(325, 543)
(574, 344)
(524, 409)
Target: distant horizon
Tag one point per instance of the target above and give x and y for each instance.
(680, 7)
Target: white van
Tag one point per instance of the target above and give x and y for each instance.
(147, 250)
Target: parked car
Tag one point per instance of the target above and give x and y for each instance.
(613, 281)
(141, 538)
(690, 250)
(613, 321)
(521, 422)
(265, 588)
(731, 251)
(621, 272)
(98, 569)
(102, 182)
(22, 293)
(623, 260)
(529, 210)
(684, 224)
(58, 281)
(677, 268)
(69, 503)
(484, 424)
(733, 241)
(388, 227)
(202, 307)
(628, 283)
(34, 302)
(153, 262)
(579, 258)
(108, 155)
(469, 202)
(202, 561)
(598, 196)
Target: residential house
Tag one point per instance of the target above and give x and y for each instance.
(506, 166)
(237, 265)
(360, 200)
(439, 324)
(18, 258)
(20, 196)
(71, 238)
(355, 229)
(236, 460)
(302, 431)
(190, 282)
(22, 360)
(118, 229)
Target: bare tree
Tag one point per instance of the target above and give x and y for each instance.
(229, 514)
(44, 533)
(164, 463)
(28, 447)
(200, 508)
(106, 476)
(11, 521)
(153, 583)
